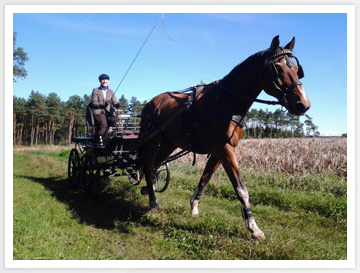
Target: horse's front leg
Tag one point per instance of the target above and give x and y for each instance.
(212, 164)
(229, 162)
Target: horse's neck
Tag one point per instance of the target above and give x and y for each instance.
(245, 80)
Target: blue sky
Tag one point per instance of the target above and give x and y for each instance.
(68, 51)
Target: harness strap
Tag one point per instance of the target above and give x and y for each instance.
(239, 120)
(189, 116)
(284, 91)
(291, 86)
(280, 53)
(248, 98)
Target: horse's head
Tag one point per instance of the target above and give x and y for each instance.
(283, 72)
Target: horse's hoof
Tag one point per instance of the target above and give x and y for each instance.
(258, 237)
(154, 205)
(194, 208)
(194, 212)
(144, 191)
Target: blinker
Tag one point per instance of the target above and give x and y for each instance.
(300, 72)
(288, 63)
(274, 72)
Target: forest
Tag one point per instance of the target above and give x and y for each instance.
(48, 120)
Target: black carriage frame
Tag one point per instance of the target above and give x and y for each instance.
(90, 161)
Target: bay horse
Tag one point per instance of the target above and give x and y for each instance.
(210, 120)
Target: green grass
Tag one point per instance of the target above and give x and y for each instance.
(303, 217)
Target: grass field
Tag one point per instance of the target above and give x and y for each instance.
(297, 187)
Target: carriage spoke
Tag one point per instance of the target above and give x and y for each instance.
(73, 169)
(159, 182)
(162, 178)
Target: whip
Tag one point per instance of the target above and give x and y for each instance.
(137, 54)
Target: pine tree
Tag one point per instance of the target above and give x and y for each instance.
(311, 128)
(124, 104)
(19, 119)
(54, 104)
(135, 106)
(19, 59)
(75, 109)
(37, 109)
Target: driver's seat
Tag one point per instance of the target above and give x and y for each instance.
(90, 121)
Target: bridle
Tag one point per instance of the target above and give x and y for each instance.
(270, 65)
(274, 73)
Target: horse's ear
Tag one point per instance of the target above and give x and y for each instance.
(291, 44)
(275, 43)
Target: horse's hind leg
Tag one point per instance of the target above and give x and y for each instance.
(149, 157)
(212, 164)
(229, 162)
(153, 162)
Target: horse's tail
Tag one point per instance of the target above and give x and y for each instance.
(147, 118)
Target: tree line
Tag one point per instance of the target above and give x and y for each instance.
(48, 120)
(278, 124)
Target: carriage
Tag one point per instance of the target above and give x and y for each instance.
(90, 161)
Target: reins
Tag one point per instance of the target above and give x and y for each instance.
(269, 102)
(217, 83)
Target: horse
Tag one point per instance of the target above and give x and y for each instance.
(210, 119)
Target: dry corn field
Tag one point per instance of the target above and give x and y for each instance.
(305, 156)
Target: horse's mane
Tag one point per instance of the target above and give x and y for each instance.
(237, 70)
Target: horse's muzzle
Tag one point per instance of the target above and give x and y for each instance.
(301, 108)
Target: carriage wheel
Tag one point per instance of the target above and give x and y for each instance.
(91, 177)
(134, 176)
(73, 169)
(162, 178)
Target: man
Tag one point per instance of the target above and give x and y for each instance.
(102, 98)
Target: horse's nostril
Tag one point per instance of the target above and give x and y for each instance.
(300, 107)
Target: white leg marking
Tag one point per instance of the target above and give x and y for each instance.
(250, 223)
(194, 208)
(256, 233)
(194, 203)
